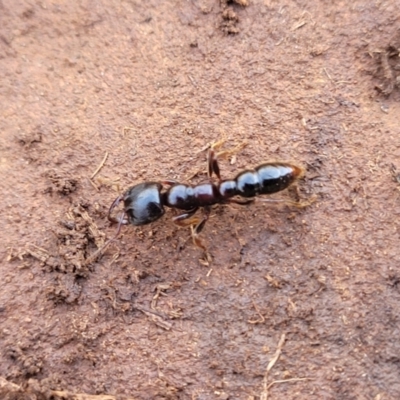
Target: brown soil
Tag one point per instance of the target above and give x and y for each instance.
(296, 304)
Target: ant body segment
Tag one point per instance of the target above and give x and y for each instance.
(144, 203)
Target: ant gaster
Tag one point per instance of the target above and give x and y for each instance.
(145, 202)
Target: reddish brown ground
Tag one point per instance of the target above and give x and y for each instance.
(150, 83)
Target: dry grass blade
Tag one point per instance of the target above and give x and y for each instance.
(100, 166)
(264, 394)
(287, 380)
(274, 359)
(277, 353)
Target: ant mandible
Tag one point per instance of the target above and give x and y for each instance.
(144, 203)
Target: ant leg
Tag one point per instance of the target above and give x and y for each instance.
(196, 225)
(195, 235)
(298, 204)
(212, 164)
(295, 193)
(198, 228)
(212, 157)
(230, 152)
(187, 218)
(240, 201)
(169, 182)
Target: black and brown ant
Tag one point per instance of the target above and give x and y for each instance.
(144, 203)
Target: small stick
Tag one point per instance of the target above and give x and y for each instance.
(327, 74)
(100, 166)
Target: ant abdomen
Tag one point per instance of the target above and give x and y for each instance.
(276, 176)
(247, 184)
(267, 178)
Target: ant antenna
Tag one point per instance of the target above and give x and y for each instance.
(121, 221)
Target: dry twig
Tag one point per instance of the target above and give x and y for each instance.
(155, 317)
(260, 320)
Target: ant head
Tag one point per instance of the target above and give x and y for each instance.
(143, 203)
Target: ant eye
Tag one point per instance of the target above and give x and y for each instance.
(155, 211)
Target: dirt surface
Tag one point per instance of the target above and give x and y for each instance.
(296, 304)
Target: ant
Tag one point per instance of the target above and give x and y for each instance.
(144, 203)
